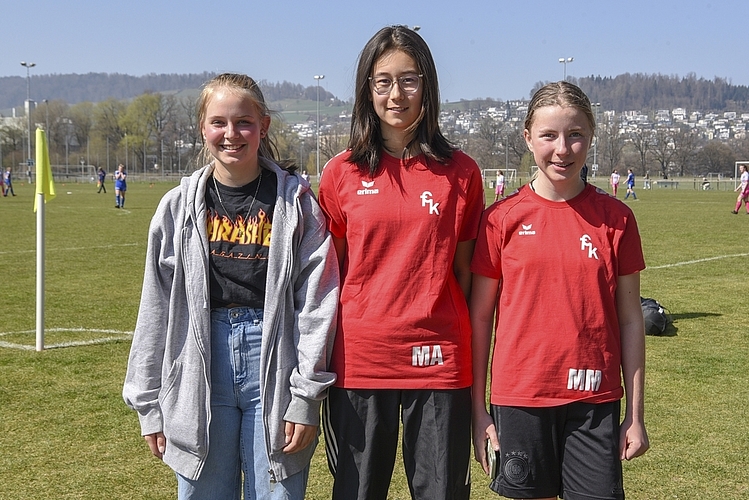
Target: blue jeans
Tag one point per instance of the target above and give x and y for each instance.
(236, 432)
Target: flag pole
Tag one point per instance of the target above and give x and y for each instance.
(40, 271)
(45, 190)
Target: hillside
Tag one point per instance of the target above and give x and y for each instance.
(621, 93)
(97, 87)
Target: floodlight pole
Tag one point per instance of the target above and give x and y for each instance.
(318, 78)
(28, 67)
(565, 61)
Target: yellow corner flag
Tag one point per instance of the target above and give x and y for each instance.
(44, 183)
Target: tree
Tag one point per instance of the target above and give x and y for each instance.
(12, 134)
(686, 143)
(485, 146)
(517, 149)
(189, 139)
(332, 141)
(640, 139)
(610, 143)
(717, 157)
(663, 148)
(287, 142)
(107, 128)
(140, 123)
(81, 118)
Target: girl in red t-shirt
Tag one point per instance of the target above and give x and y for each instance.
(403, 206)
(556, 386)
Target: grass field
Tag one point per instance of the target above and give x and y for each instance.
(65, 432)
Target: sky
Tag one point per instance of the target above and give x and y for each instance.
(482, 48)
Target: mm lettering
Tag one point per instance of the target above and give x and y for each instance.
(426, 356)
(584, 380)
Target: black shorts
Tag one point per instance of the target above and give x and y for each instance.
(570, 451)
(361, 439)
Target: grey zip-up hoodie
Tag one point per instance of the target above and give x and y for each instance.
(168, 375)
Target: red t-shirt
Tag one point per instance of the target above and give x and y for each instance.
(557, 333)
(403, 319)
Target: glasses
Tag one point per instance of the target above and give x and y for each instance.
(383, 85)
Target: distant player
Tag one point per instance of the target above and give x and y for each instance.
(615, 182)
(499, 190)
(120, 186)
(630, 184)
(102, 177)
(8, 179)
(743, 190)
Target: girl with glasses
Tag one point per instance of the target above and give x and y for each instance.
(403, 206)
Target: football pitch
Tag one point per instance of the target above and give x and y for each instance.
(65, 432)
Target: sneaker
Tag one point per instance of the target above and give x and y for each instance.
(734, 212)
(116, 206)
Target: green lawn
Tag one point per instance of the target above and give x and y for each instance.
(65, 432)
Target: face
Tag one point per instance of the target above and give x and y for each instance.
(396, 110)
(559, 139)
(233, 128)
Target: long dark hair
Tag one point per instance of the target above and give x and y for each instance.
(366, 142)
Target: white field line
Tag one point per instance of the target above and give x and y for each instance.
(73, 249)
(697, 261)
(114, 335)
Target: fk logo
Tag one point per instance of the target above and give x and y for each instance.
(586, 244)
(426, 198)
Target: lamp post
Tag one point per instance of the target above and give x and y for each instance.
(28, 67)
(565, 61)
(46, 107)
(597, 105)
(317, 79)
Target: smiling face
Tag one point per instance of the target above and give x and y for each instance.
(559, 139)
(233, 127)
(396, 110)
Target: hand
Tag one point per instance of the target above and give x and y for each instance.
(483, 429)
(298, 436)
(633, 440)
(157, 444)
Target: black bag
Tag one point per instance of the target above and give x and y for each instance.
(655, 316)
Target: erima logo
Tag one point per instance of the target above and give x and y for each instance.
(586, 244)
(426, 355)
(584, 380)
(426, 199)
(527, 230)
(367, 188)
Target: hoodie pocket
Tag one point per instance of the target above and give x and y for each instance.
(182, 407)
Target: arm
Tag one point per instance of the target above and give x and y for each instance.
(315, 286)
(483, 303)
(340, 250)
(143, 379)
(633, 438)
(462, 265)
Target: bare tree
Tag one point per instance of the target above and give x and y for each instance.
(333, 141)
(717, 157)
(641, 141)
(663, 148)
(686, 144)
(610, 143)
(485, 146)
(81, 118)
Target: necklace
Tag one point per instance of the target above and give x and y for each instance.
(252, 203)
